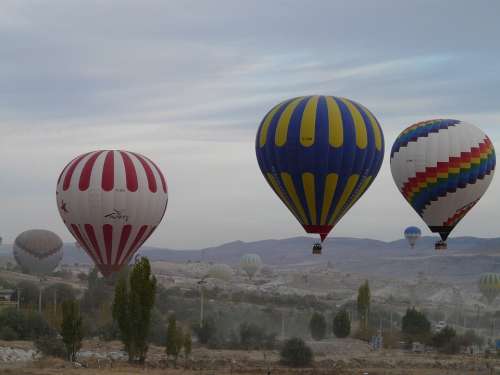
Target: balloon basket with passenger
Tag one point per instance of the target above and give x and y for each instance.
(317, 248)
(440, 245)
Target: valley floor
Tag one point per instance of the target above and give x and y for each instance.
(336, 357)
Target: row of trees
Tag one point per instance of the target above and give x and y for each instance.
(341, 326)
(177, 340)
(417, 328)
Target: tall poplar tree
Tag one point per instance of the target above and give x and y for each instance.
(132, 308)
(364, 303)
(71, 328)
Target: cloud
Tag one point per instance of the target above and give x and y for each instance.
(187, 83)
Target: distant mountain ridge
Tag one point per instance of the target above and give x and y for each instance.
(465, 257)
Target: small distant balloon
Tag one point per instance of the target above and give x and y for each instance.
(250, 263)
(412, 234)
(38, 251)
(489, 286)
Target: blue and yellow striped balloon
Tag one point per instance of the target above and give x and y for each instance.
(319, 154)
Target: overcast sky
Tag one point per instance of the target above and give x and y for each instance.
(187, 83)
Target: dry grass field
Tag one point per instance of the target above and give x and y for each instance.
(348, 357)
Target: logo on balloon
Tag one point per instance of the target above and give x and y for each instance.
(63, 207)
(117, 215)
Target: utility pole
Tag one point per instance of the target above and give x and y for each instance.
(40, 297)
(478, 308)
(202, 299)
(55, 301)
(18, 302)
(283, 324)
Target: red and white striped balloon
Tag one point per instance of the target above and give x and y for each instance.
(111, 202)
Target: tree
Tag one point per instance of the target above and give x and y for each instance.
(341, 324)
(415, 326)
(97, 293)
(187, 347)
(179, 342)
(142, 299)
(132, 308)
(158, 330)
(364, 303)
(443, 338)
(296, 353)
(175, 339)
(71, 328)
(317, 326)
(121, 316)
(206, 332)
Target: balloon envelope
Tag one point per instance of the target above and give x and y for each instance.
(250, 263)
(412, 234)
(442, 168)
(319, 154)
(38, 251)
(111, 201)
(489, 286)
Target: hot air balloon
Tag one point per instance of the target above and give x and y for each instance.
(38, 251)
(319, 154)
(221, 272)
(250, 263)
(489, 286)
(111, 201)
(442, 168)
(412, 234)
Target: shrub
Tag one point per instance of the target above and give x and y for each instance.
(51, 346)
(341, 324)
(8, 334)
(452, 347)
(443, 338)
(415, 326)
(27, 325)
(317, 326)
(206, 332)
(296, 353)
(254, 337)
